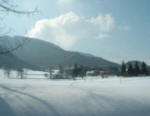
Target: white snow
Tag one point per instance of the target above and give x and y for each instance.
(89, 97)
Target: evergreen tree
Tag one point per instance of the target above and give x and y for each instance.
(82, 71)
(75, 71)
(136, 69)
(123, 68)
(130, 69)
(61, 71)
(144, 68)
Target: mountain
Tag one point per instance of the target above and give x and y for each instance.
(11, 61)
(44, 54)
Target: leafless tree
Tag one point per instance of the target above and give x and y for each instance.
(50, 72)
(7, 7)
(7, 72)
(22, 73)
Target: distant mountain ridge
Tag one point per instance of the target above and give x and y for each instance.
(44, 54)
(11, 61)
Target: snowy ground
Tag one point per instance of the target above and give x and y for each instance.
(90, 97)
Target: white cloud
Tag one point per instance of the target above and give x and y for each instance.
(64, 2)
(104, 22)
(103, 36)
(65, 30)
(125, 27)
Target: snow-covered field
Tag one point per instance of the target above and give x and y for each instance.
(89, 97)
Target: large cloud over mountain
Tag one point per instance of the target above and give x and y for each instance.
(66, 29)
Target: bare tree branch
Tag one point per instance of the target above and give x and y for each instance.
(14, 48)
(8, 9)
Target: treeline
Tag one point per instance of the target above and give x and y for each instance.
(19, 73)
(78, 71)
(134, 69)
(73, 71)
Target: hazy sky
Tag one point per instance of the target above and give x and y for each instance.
(113, 29)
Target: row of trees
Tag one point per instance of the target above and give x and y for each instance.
(127, 69)
(74, 71)
(65, 72)
(77, 70)
(134, 69)
(20, 73)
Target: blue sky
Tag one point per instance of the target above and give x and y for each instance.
(113, 29)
